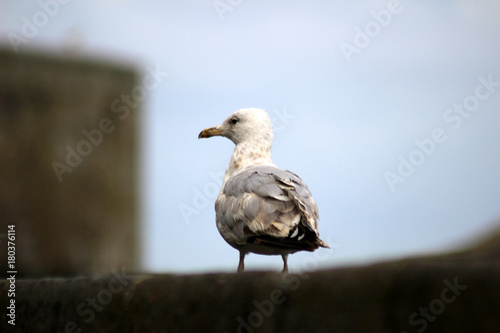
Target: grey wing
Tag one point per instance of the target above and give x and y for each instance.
(264, 201)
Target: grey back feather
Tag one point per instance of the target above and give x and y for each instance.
(264, 200)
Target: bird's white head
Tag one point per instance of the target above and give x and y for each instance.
(244, 126)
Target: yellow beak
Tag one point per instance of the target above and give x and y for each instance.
(209, 132)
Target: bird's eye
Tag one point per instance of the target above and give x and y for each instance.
(234, 120)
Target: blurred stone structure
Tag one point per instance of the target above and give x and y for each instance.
(68, 169)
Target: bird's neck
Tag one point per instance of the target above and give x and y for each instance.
(246, 155)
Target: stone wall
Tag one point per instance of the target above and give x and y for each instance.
(68, 170)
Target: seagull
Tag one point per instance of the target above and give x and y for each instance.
(260, 208)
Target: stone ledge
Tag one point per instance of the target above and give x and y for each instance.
(458, 292)
(440, 294)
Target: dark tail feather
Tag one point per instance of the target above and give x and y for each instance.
(322, 244)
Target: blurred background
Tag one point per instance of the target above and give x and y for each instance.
(389, 110)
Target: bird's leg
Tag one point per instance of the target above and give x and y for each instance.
(241, 265)
(285, 263)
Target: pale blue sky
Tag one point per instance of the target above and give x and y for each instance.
(348, 120)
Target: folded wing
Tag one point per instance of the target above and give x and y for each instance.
(268, 206)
